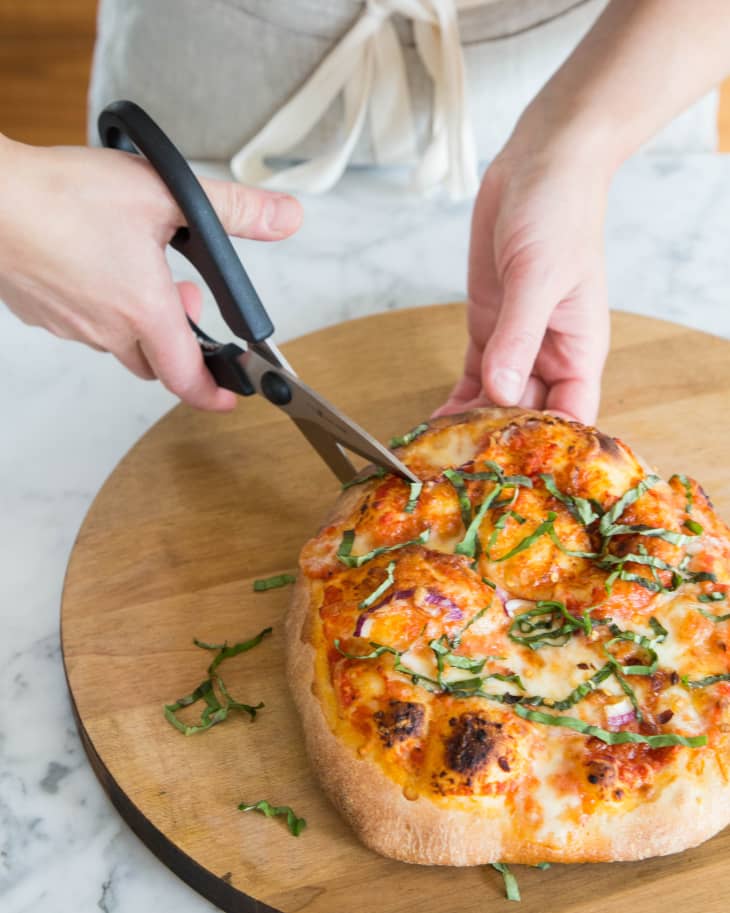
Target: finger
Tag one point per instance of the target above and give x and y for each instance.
(467, 387)
(535, 394)
(576, 398)
(174, 355)
(135, 361)
(510, 353)
(575, 354)
(249, 212)
(191, 299)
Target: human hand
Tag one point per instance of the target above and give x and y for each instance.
(82, 253)
(538, 315)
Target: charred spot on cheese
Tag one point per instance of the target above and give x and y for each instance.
(609, 445)
(402, 720)
(471, 745)
(601, 773)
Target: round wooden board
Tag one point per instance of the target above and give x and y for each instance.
(203, 505)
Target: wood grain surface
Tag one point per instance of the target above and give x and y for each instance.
(203, 505)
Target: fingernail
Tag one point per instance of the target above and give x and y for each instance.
(281, 214)
(508, 383)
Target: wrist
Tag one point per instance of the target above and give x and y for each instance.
(574, 136)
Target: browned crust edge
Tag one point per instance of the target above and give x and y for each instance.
(688, 812)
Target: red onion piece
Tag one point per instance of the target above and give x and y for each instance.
(618, 715)
(434, 598)
(397, 594)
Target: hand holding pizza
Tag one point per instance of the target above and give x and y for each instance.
(538, 322)
(538, 312)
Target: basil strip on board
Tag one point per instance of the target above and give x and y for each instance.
(511, 888)
(628, 498)
(409, 436)
(388, 582)
(214, 711)
(226, 652)
(295, 825)
(610, 738)
(273, 583)
(348, 538)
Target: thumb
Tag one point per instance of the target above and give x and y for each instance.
(509, 355)
(249, 212)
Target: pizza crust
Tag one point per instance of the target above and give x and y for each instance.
(686, 812)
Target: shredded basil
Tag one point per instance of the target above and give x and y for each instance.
(511, 888)
(583, 690)
(583, 510)
(610, 738)
(632, 495)
(660, 632)
(687, 490)
(716, 618)
(499, 526)
(694, 527)
(464, 503)
(348, 538)
(295, 825)
(374, 654)
(525, 543)
(409, 436)
(549, 624)
(468, 544)
(388, 582)
(378, 473)
(715, 596)
(542, 865)
(705, 682)
(641, 529)
(226, 652)
(272, 583)
(214, 711)
(416, 488)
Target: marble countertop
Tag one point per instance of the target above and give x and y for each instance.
(71, 413)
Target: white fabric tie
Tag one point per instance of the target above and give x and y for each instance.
(367, 66)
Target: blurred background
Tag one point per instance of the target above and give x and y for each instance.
(45, 57)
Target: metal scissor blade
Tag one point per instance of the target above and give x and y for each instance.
(304, 406)
(330, 451)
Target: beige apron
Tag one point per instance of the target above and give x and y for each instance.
(314, 85)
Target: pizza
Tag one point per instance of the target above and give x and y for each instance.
(521, 658)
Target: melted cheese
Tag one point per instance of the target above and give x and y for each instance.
(477, 748)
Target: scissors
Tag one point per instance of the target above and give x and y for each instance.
(259, 367)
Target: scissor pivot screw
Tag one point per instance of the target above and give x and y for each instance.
(275, 389)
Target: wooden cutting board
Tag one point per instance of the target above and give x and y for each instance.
(203, 505)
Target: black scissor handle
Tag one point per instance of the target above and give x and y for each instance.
(204, 242)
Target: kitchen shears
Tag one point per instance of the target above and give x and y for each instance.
(259, 367)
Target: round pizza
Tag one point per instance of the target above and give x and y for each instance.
(523, 657)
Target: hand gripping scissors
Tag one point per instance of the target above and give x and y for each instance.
(259, 367)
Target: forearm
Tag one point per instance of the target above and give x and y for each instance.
(642, 63)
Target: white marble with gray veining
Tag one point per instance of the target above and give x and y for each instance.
(69, 414)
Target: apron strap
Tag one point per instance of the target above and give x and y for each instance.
(367, 66)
